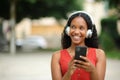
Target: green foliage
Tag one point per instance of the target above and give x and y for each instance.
(114, 3)
(4, 8)
(31, 1)
(106, 41)
(109, 38)
(109, 25)
(41, 8)
(113, 54)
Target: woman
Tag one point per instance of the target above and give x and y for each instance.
(79, 31)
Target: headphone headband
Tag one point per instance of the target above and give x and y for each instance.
(76, 12)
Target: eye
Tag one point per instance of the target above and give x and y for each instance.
(73, 27)
(81, 28)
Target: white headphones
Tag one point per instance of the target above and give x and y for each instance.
(89, 31)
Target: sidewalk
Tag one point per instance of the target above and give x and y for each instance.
(113, 71)
(25, 66)
(36, 66)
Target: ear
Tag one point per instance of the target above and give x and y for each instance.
(67, 30)
(89, 33)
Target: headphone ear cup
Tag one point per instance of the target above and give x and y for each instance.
(89, 33)
(67, 30)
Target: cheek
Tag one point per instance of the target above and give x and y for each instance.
(71, 31)
(83, 33)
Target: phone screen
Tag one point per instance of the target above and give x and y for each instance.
(80, 51)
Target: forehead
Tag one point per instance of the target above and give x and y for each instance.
(78, 20)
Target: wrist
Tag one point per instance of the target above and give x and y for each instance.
(93, 70)
(94, 75)
(69, 73)
(67, 76)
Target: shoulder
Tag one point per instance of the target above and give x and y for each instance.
(100, 54)
(56, 54)
(55, 58)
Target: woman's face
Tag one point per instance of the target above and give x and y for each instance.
(78, 29)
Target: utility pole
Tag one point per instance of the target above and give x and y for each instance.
(12, 25)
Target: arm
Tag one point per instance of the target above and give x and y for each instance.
(55, 67)
(56, 70)
(101, 64)
(99, 72)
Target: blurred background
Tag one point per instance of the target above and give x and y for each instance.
(39, 23)
(35, 27)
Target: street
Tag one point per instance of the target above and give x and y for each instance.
(36, 66)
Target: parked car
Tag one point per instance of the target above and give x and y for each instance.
(32, 41)
(19, 43)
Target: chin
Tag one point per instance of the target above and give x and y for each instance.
(76, 43)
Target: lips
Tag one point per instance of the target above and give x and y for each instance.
(76, 38)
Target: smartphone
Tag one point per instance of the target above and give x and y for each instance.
(80, 51)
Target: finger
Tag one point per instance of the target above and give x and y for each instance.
(74, 66)
(83, 67)
(84, 58)
(79, 62)
(72, 60)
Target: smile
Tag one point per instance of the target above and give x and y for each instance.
(76, 38)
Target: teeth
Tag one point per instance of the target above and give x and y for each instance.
(76, 37)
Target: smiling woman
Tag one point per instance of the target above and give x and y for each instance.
(79, 31)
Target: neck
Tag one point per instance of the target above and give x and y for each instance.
(74, 45)
(71, 49)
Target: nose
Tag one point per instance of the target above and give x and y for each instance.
(77, 31)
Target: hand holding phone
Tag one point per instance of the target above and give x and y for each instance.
(80, 51)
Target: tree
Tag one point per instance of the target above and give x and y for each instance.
(41, 8)
(12, 25)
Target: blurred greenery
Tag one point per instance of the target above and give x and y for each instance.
(110, 25)
(109, 38)
(59, 8)
(113, 54)
(40, 8)
(106, 41)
